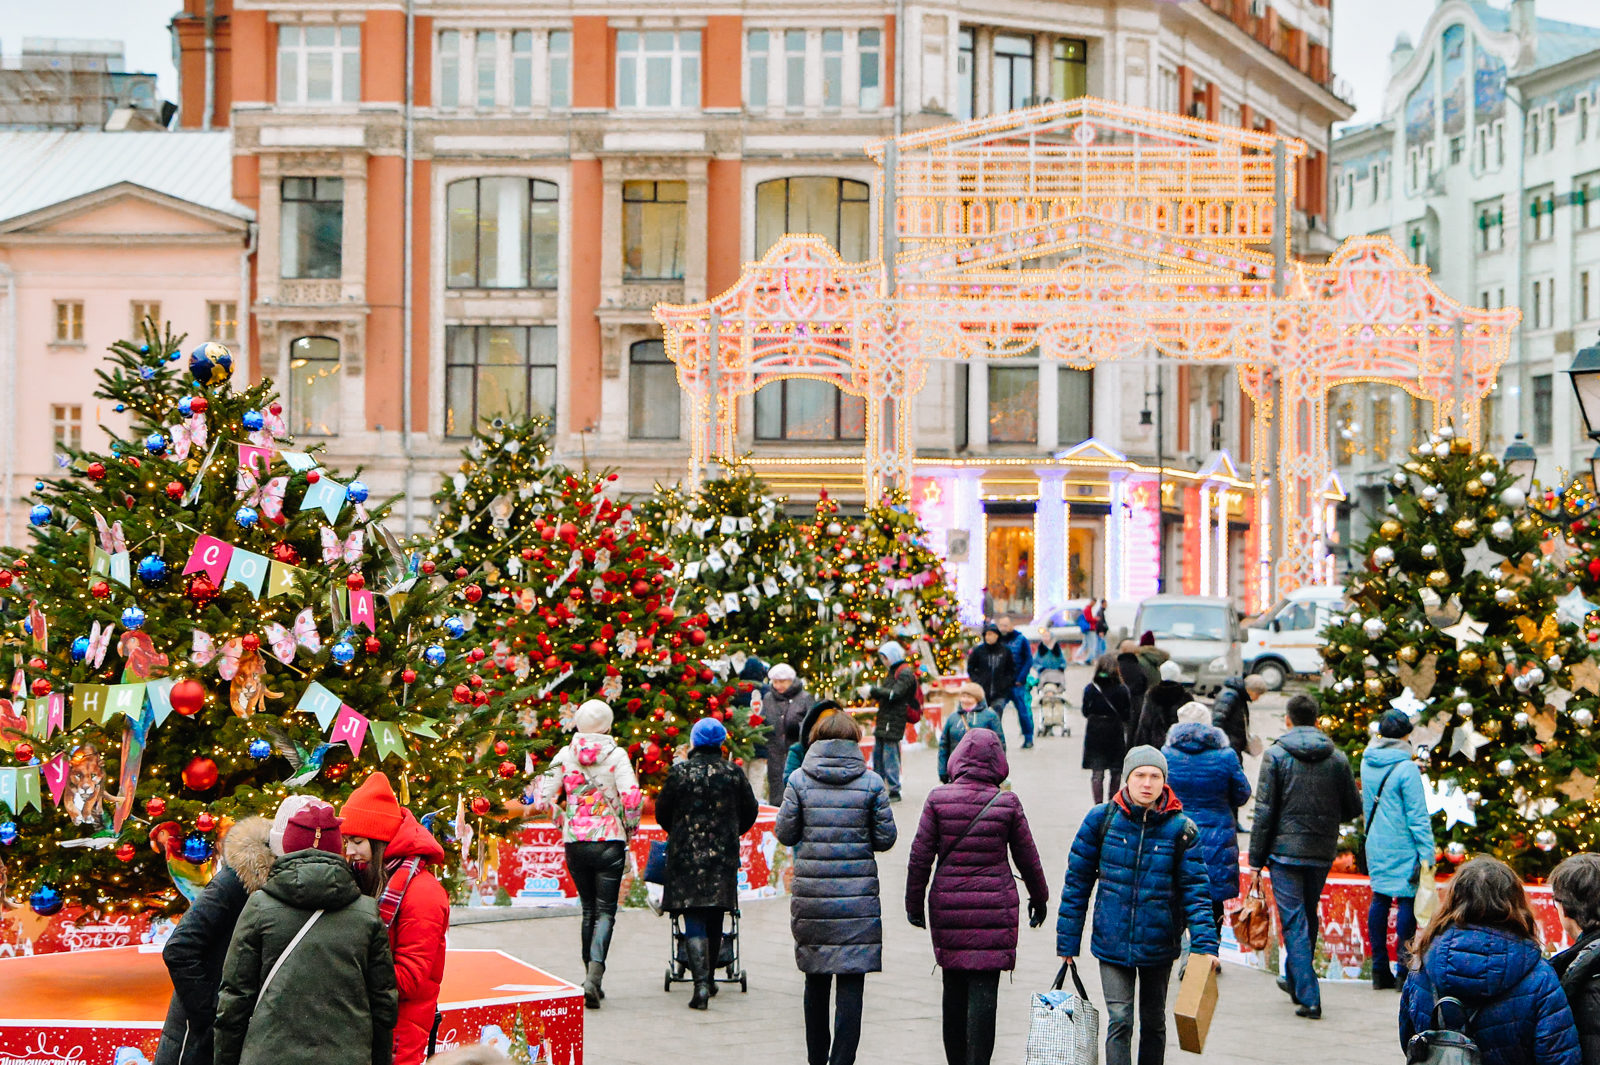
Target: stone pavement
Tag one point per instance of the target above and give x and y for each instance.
(639, 1024)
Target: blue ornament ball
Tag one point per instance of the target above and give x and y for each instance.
(356, 491)
(435, 655)
(119, 408)
(38, 486)
(253, 421)
(455, 627)
(144, 349)
(185, 407)
(211, 364)
(260, 749)
(152, 569)
(27, 628)
(343, 652)
(196, 848)
(39, 515)
(245, 517)
(46, 901)
(80, 648)
(8, 833)
(155, 443)
(132, 618)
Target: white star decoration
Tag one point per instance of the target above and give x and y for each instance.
(1408, 702)
(1444, 797)
(1465, 631)
(1557, 698)
(1467, 740)
(1481, 558)
(1572, 608)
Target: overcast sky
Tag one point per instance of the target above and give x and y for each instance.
(1363, 33)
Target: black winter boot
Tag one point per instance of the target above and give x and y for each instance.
(700, 967)
(1382, 977)
(592, 994)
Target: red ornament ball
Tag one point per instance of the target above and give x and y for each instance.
(205, 822)
(187, 697)
(408, 676)
(200, 774)
(508, 770)
(640, 589)
(462, 694)
(276, 408)
(125, 852)
(355, 582)
(472, 592)
(373, 645)
(480, 806)
(20, 565)
(23, 752)
(41, 687)
(155, 807)
(174, 490)
(312, 476)
(6, 577)
(99, 589)
(697, 636)
(284, 552)
(502, 748)
(665, 613)
(201, 589)
(427, 566)
(1594, 568)
(199, 404)
(96, 471)
(461, 572)
(250, 641)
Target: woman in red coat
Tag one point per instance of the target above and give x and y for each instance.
(391, 853)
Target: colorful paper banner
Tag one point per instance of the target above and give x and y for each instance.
(159, 692)
(8, 791)
(319, 701)
(423, 728)
(88, 702)
(387, 739)
(122, 569)
(283, 580)
(210, 556)
(351, 727)
(125, 699)
(362, 611)
(247, 569)
(52, 712)
(258, 457)
(298, 461)
(327, 494)
(55, 776)
(28, 788)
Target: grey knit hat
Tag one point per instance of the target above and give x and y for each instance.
(1143, 756)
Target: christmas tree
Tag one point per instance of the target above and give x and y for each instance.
(213, 620)
(747, 567)
(1455, 620)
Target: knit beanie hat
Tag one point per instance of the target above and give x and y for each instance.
(974, 690)
(781, 671)
(1170, 670)
(372, 811)
(707, 732)
(1143, 756)
(1147, 639)
(593, 716)
(1194, 714)
(1395, 725)
(280, 821)
(313, 827)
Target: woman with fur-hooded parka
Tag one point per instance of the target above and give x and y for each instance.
(199, 945)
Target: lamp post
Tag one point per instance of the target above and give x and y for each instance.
(1585, 374)
(1161, 474)
(1520, 462)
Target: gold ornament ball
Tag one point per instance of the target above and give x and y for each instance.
(1408, 654)
(1475, 488)
(1489, 727)
(1390, 529)
(1439, 579)
(1344, 648)
(1374, 686)
(1461, 446)
(1466, 527)
(1524, 525)
(1468, 661)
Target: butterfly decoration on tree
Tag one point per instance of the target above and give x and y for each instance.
(302, 632)
(99, 643)
(189, 434)
(272, 430)
(348, 551)
(112, 539)
(227, 656)
(265, 495)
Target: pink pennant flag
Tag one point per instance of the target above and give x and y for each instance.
(259, 457)
(55, 714)
(211, 556)
(55, 776)
(362, 612)
(351, 727)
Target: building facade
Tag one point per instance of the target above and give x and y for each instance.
(1486, 168)
(470, 210)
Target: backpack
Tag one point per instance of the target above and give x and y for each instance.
(914, 711)
(1443, 1045)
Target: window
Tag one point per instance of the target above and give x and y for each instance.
(1417, 241)
(1550, 129)
(1491, 226)
(319, 64)
(142, 311)
(450, 68)
(1542, 211)
(832, 69)
(502, 233)
(1500, 143)
(966, 78)
(561, 70)
(314, 386)
(653, 397)
(758, 44)
(1543, 422)
(494, 371)
(809, 410)
(66, 426)
(835, 208)
(223, 318)
(658, 69)
(1583, 295)
(1531, 138)
(69, 321)
(1074, 405)
(1013, 72)
(312, 227)
(1457, 147)
(1583, 118)
(794, 69)
(1069, 69)
(655, 228)
(522, 70)
(485, 60)
(1013, 404)
(869, 61)
(1586, 196)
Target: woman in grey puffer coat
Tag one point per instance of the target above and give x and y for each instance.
(836, 815)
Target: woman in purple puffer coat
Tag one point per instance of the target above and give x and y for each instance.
(968, 825)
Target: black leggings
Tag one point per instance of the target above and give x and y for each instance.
(596, 869)
(970, 1000)
(839, 1046)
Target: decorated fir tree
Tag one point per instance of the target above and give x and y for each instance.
(746, 566)
(212, 621)
(1455, 620)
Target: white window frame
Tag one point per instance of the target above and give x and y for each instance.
(809, 58)
(684, 89)
(66, 426)
(73, 323)
(342, 94)
(225, 312)
(548, 58)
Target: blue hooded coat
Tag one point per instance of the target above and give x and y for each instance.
(1205, 774)
(1519, 1014)
(1399, 831)
(959, 724)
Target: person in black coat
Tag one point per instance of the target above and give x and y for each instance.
(199, 945)
(1576, 887)
(1136, 680)
(1105, 735)
(705, 805)
(1161, 706)
(1230, 712)
(992, 667)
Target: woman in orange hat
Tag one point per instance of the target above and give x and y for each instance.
(391, 853)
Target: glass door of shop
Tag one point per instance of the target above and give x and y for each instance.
(1009, 564)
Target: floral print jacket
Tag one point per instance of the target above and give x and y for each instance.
(602, 797)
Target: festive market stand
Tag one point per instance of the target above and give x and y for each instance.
(106, 1007)
(1342, 952)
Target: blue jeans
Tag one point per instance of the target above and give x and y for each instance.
(886, 763)
(1019, 699)
(1405, 926)
(1297, 890)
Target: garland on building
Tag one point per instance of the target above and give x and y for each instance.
(1459, 619)
(213, 620)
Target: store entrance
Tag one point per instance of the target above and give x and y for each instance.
(1010, 563)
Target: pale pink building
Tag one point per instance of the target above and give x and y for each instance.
(96, 231)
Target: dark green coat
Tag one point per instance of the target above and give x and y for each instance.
(334, 1000)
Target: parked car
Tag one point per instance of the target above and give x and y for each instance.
(1200, 633)
(1062, 620)
(1286, 638)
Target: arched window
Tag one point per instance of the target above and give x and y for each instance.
(654, 402)
(835, 208)
(314, 386)
(802, 409)
(502, 233)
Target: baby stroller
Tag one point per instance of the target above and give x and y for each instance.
(1050, 703)
(727, 961)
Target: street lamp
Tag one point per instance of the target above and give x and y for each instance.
(1585, 374)
(1520, 461)
(1161, 474)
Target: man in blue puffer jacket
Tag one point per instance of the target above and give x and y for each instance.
(1146, 856)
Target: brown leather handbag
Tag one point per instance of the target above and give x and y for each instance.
(1252, 922)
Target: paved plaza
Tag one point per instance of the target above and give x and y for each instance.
(639, 1024)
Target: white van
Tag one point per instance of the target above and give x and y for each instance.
(1201, 633)
(1286, 639)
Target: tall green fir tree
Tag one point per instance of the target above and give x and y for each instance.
(212, 620)
(1461, 618)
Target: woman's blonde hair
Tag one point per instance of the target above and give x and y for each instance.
(836, 725)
